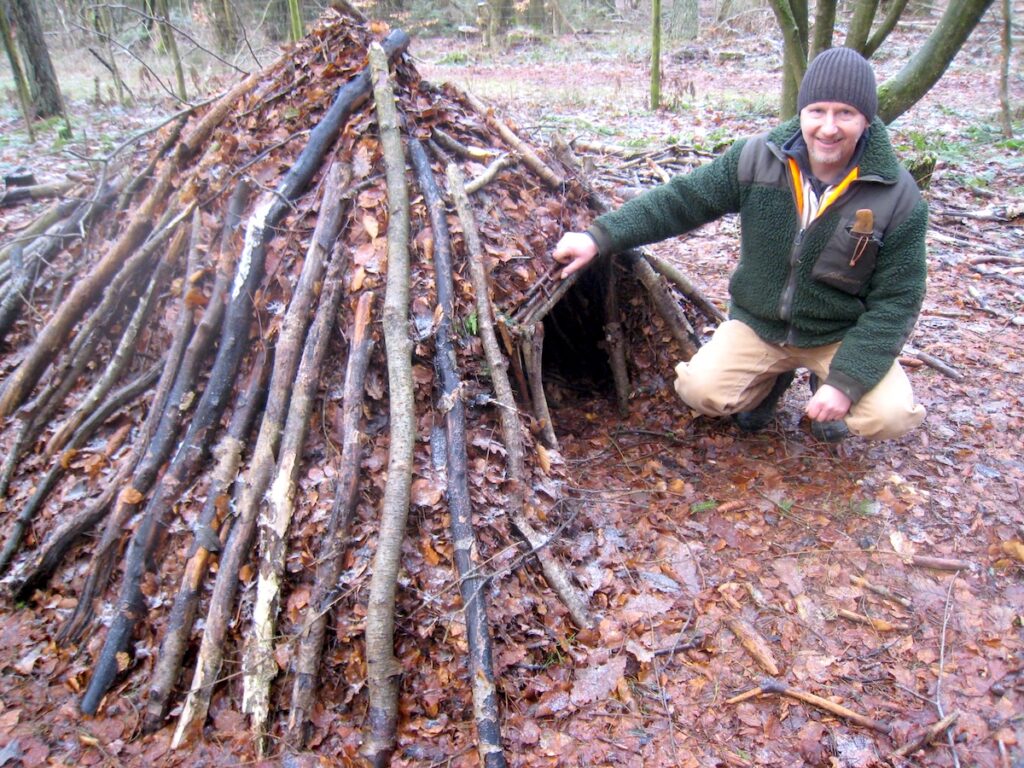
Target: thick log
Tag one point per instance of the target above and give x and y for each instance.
(472, 583)
(23, 238)
(329, 563)
(754, 642)
(383, 670)
(259, 665)
(18, 195)
(508, 414)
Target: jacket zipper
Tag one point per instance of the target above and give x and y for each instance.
(789, 292)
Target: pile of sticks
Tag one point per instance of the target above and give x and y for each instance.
(167, 340)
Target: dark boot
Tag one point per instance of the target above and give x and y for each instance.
(764, 414)
(827, 431)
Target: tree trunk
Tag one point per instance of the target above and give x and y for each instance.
(171, 47)
(1006, 110)
(794, 57)
(42, 79)
(899, 93)
(655, 54)
(824, 26)
(860, 25)
(888, 24)
(24, 97)
(277, 25)
(294, 20)
(685, 19)
(225, 25)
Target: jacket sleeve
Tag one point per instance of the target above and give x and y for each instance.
(893, 303)
(683, 204)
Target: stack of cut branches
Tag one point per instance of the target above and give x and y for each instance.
(233, 368)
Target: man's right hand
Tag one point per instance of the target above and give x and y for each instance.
(575, 250)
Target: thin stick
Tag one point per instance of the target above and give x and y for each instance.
(346, 489)
(942, 668)
(926, 738)
(472, 585)
(774, 686)
(615, 339)
(533, 351)
(259, 665)
(530, 157)
(881, 591)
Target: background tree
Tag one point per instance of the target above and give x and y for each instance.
(225, 24)
(1005, 109)
(655, 54)
(35, 58)
(295, 21)
(911, 83)
(19, 77)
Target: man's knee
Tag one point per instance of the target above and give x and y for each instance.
(884, 421)
(707, 393)
(698, 392)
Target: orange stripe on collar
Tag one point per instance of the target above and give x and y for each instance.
(798, 187)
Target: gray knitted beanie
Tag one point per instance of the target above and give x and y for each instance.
(843, 75)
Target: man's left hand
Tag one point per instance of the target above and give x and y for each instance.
(828, 404)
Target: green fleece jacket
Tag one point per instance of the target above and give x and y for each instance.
(870, 306)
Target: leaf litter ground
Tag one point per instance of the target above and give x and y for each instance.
(688, 525)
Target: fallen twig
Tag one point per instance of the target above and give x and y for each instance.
(882, 591)
(754, 643)
(775, 686)
(879, 624)
(925, 738)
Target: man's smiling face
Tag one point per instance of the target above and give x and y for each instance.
(831, 130)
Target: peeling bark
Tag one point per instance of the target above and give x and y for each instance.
(260, 666)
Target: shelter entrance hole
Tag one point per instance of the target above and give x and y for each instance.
(575, 360)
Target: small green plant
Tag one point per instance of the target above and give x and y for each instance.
(703, 506)
(456, 58)
(864, 507)
(470, 324)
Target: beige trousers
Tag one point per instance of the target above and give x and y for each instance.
(735, 370)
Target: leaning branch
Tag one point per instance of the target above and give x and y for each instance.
(383, 669)
(472, 584)
(260, 666)
(346, 489)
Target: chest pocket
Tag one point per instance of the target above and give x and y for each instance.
(848, 260)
